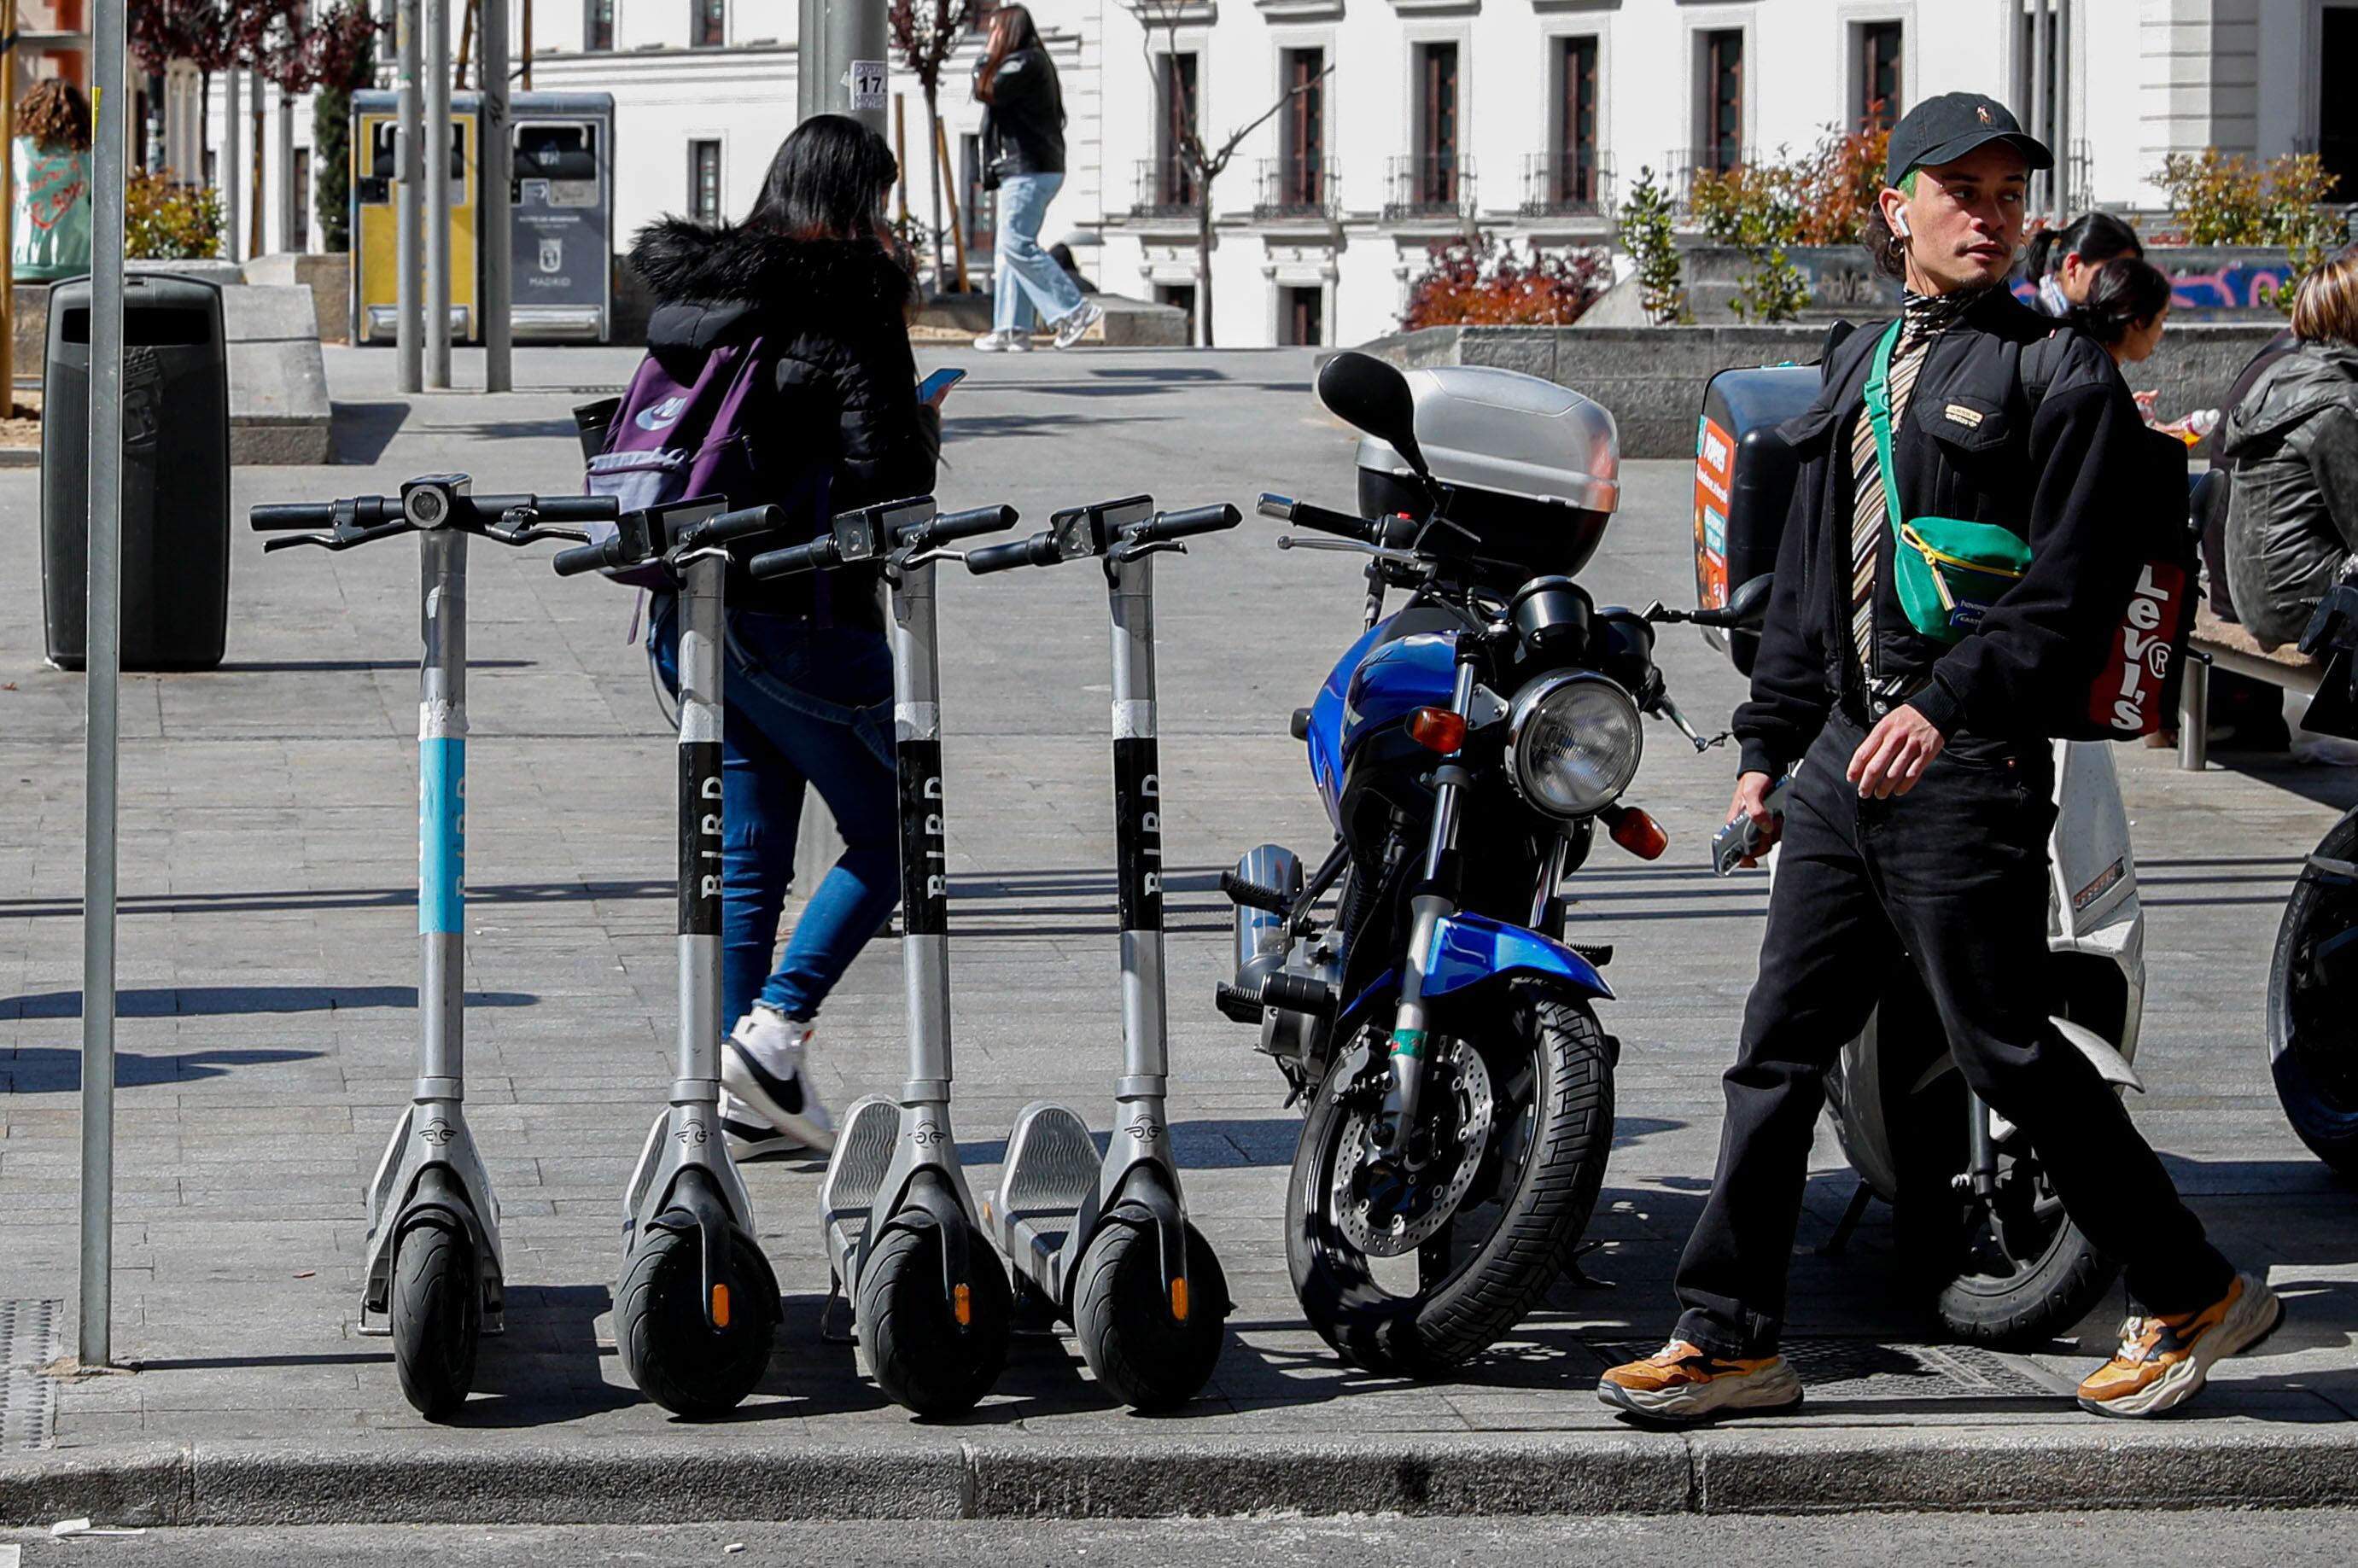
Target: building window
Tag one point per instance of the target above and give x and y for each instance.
(710, 25)
(1174, 182)
(302, 235)
(597, 25)
(1302, 129)
(704, 182)
(1879, 75)
(1302, 315)
(1575, 127)
(1178, 296)
(1722, 100)
(1435, 180)
(2337, 106)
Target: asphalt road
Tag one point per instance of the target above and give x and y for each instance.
(2217, 1540)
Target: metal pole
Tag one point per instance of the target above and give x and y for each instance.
(2040, 35)
(493, 233)
(227, 183)
(287, 196)
(101, 679)
(840, 60)
(438, 193)
(2064, 194)
(409, 331)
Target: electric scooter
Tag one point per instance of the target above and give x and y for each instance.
(434, 1269)
(928, 1298)
(1105, 1243)
(697, 1307)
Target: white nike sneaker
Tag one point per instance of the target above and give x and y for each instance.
(765, 1063)
(750, 1138)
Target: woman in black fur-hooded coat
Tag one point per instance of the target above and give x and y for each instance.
(813, 275)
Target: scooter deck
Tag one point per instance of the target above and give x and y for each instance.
(1052, 1175)
(846, 1198)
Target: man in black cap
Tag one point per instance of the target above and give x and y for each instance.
(1917, 830)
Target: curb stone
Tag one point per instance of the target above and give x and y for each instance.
(676, 1480)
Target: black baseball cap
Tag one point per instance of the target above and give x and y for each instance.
(1944, 129)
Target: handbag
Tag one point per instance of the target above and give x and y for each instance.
(1950, 570)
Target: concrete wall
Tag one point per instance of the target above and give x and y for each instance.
(1653, 378)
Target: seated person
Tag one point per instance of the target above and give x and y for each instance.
(2292, 519)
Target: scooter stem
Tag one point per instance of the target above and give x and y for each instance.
(441, 813)
(1138, 832)
(700, 1023)
(925, 863)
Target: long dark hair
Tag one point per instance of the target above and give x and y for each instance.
(2094, 237)
(2126, 292)
(827, 182)
(1011, 28)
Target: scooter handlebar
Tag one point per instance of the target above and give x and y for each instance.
(1193, 521)
(970, 524)
(579, 559)
(549, 508)
(1039, 550)
(794, 559)
(286, 516)
(729, 526)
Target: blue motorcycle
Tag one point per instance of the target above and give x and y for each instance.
(1440, 1032)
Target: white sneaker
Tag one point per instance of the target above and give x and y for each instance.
(764, 1062)
(1071, 329)
(1008, 342)
(750, 1138)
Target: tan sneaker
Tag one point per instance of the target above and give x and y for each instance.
(1681, 1383)
(2162, 1361)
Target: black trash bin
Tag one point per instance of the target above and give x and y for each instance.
(174, 474)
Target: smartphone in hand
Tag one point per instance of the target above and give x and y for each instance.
(935, 388)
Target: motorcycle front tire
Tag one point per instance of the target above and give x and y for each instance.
(2319, 1093)
(1428, 1334)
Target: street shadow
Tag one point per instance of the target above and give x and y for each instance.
(2327, 786)
(45, 1069)
(237, 1002)
(969, 427)
(506, 430)
(361, 431)
(338, 898)
(548, 1367)
(1631, 1131)
(346, 666)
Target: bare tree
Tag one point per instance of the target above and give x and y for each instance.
(1196, 161)
(926, 33)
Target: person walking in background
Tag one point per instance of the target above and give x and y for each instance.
(814, 280)
(52, 153)
(1023, 161)
(2062, 263)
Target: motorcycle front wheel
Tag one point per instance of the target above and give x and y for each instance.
(2313, 1003)
(1416, 1273)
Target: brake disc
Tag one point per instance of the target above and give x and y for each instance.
(1385, 1209)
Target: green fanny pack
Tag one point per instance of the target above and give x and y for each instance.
(1950, 570)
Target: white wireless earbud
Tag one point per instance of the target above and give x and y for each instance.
(1899, 221)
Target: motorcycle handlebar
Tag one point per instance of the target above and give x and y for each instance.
(794, 559)
(1365, 531)
(970, 524)
(1039, 550)
(1193, 521)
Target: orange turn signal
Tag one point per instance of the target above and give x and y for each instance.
(962, 1305)
(1178, 1301)
(1641, 834)
(1437, 730)
(719, 1306)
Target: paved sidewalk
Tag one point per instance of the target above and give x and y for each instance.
(269, 970)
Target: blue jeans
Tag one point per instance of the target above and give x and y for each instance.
(804, 705)
(1026, 277)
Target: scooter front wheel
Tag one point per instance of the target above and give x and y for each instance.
(668, 1347)
(924, 1358)
(1131, 1332)
(437, 1313)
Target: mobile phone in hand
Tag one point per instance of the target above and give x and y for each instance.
(930, 389)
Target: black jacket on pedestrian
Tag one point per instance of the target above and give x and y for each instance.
(844, 409)
(1024, 123)
(1971, 445)
(2292, 516)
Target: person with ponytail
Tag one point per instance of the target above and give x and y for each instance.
(2062, 262)
(1023, 161)
(2122, 305)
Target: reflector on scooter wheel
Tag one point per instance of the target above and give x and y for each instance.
(719, 1306)
(1437, 730)
(962, 1304)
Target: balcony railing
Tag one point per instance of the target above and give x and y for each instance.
(1305, 188)
(1564, 185)
(1165, 189)
(1429, 188)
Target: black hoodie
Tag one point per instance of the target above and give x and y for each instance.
(831, 316)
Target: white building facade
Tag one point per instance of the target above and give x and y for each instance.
(1526, 119)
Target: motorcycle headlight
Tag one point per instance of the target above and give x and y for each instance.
(1576, 741)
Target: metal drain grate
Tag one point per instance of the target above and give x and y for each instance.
(1866, 1369)
(28, 1397)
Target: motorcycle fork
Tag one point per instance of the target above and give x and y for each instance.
(1435, 896)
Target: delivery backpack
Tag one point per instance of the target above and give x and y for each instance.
(668, 440)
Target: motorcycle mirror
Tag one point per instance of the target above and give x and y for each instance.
(1747, 608)
(1368, 395)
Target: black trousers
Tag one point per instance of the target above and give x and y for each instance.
(1951, 877)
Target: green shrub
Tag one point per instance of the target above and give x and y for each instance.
(163, 221)
(1646, 233)
(2216, 199)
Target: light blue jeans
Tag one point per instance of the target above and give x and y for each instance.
(1026, 278)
